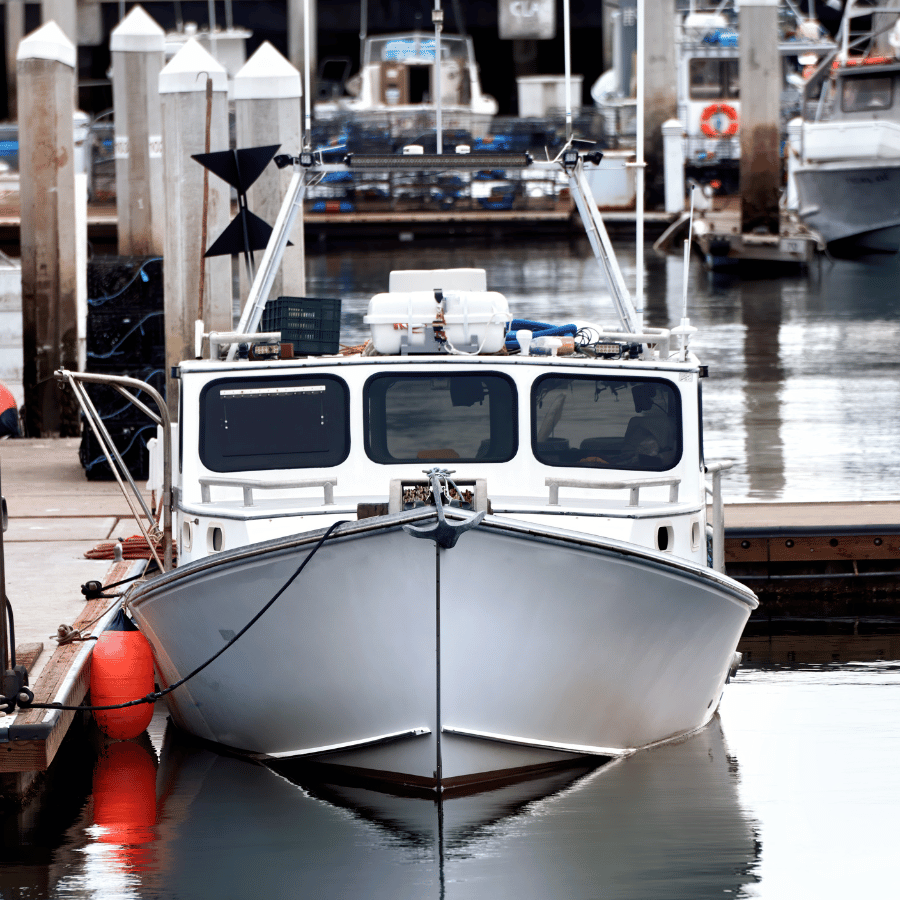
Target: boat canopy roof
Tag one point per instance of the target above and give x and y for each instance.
(414, 48)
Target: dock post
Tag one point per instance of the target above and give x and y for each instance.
(660, 94)
(138, 50)
(50, 325)
(65, 14)
(267, 94)
(15, 31)
(792, 159)
(760, 86)
(673, 159)
(182, 85)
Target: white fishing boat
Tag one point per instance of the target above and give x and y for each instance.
(398, 86)
(848, 173)
(707, 79)
(468, 550)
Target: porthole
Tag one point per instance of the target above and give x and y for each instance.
(695, 534)
(215, 539)
(665, 538)
(187, 536)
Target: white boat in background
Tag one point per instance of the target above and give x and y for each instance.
(707, 76)
(397, 86)
(848, 173)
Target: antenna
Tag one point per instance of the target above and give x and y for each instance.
(685, 329)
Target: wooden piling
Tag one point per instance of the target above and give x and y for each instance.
(660, 95)
(15, 31)
(760, 85)
(267, 94)
(138, 51)
(65, 14)
(50, 327)
(182, 85)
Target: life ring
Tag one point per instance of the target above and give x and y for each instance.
(715, 109)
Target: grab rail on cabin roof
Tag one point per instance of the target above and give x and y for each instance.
(249, 485)
(633, 485)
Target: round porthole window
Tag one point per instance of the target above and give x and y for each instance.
(215, 539)
(665, 538)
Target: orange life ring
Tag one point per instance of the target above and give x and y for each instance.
(715, 109)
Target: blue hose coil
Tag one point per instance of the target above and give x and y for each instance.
(538, 329)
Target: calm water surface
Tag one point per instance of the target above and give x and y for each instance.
(791, 792)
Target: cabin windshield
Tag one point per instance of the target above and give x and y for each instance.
(413, 48)
(714, 79)
(864, 93)
(602, 422)
(451, 417)
(274, 423)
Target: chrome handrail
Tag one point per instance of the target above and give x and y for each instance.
(121, 383)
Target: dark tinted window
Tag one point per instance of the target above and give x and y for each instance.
(714, 79)
(454, 417)
(601, 422)
(865, 93)
(300, 422)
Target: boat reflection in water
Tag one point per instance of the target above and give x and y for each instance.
(662, 823)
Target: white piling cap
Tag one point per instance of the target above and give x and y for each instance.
(137, 33)
(267, 75)
(48, 42)
(180, 76)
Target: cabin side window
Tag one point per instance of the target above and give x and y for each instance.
(274, 423)
(865, 93)
(453, 417)
(601, 422)
(714, 79)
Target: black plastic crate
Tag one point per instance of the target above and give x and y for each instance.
(125, 338)
(131, 442)
(311, 324)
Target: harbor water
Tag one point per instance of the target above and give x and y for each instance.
(790, 792)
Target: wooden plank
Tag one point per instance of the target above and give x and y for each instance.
(822, 548)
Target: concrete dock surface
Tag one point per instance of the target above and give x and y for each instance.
(55, 516)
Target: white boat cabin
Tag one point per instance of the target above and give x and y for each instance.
(605, 440)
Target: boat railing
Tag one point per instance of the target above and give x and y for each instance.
(718, 511)
(633, 485)
(248, 486)
(129, 388)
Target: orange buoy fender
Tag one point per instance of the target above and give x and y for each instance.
(713, 120)
(122, 670)
(124, 790)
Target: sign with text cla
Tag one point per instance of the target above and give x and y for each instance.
(527, 19)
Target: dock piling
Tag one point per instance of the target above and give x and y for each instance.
(182, 85)
(50, 323)
(138, 50)
(267, 94)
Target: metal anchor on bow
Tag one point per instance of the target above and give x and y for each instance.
(442, 532)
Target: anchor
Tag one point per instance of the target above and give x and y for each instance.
(443, 532)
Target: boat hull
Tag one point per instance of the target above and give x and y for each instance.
(519, 647)
(852, 202)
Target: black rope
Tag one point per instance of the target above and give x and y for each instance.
(158, 695)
